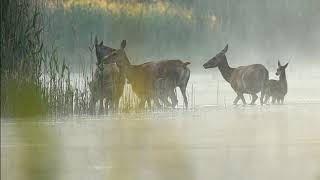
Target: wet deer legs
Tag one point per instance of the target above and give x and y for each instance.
(254, 98)
(239, 96)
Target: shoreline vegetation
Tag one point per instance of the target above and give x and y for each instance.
(35, 79)
(43, 42)
(131, 8)
(155, 30)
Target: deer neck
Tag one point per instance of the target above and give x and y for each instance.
(283, 81)
(225, 69)
(129, 71)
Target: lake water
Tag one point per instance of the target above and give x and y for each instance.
(214, 140)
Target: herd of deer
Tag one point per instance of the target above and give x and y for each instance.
(157, 80)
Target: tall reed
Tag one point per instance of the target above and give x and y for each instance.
(28, 70)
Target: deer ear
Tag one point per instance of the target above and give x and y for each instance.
(123, 44)
(101, 43)
(225, 49)
(285, 66)
(279, 63)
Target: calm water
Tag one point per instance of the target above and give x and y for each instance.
(253, 142)
(216, 140)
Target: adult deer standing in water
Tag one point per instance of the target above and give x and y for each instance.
(249, 79)
(107, 82)
(143, 77)
(277, 89)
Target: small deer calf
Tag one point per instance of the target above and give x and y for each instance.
(277, 89)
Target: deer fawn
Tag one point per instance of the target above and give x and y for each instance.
(277, 89)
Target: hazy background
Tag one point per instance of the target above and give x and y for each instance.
(193, 30)
(212, 140)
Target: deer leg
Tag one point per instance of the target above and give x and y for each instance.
(164, 100)
(106, 103)
(262, 95)
(282, 100)
(92, 105)
(266, 100)
(101, 106)
(183, 91)
(149, 103)
(235, 101)
(156, 102)
(273, 100)
(242, 99)
(142, 103)
(111, 101)
(115, 104)
(173, 98)
(266, 95)
(254, 98)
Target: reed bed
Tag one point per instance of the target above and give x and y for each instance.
(33, 80)
(29, 57)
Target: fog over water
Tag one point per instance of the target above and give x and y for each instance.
(213, 139)
(256, 31)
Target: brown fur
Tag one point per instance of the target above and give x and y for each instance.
(249, 79)
(165, 87)
(143, 77)
(107, 82)
(277, 89)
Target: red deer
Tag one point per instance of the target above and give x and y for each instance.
(165, 88)
(174, 73)
(102, 51)
(107, 82)
(249, 79)
(105, 85)
(277, 89)
(143, 77)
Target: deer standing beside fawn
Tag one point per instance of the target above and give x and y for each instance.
(249, 79)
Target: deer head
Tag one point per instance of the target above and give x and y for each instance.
(102, 51)
(118, 56)
(281, 69)
(215, 61)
